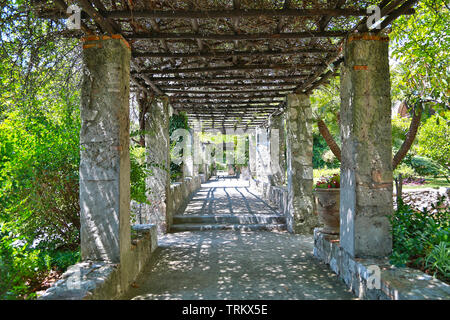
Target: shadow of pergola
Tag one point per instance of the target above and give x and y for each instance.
(224, 265)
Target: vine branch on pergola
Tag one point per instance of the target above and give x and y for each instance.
(401, 153)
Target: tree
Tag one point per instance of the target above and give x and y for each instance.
(421, 45)
(434, 141)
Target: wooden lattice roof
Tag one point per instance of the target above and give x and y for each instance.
(229, 63)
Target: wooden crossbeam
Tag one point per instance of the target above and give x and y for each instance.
(396, 13)
(230, 85)
(236, 13)
(219, 107)
(235, 68)
(244, 111)
(256, 103)
(209, 92)
(229, 78)
(233, 37)
(227, 54)
(227, 97)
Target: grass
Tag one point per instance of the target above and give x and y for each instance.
(434, 183)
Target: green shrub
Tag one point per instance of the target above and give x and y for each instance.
(405, 170)
(177, 121)
(421, 239)
(439, 259)
(39, 164)
(434, 142)
(23, 268)
(423, 166)
(139, 171)
(61, 260)
(20, 266)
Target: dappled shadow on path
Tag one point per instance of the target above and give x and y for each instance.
(236, 265)
(228, 196)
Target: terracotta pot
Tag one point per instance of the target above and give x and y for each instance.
(327, 206)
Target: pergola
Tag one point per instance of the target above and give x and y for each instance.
(229, 63)
(234, 65)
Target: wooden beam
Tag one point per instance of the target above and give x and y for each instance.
(222, 110)
(233, 37)
(396, 13)
(231, 103)
(97, 17)
(236, 13)
(61, 4)
(220, 106)
(225, 91)
(147, 80)
(229, 78)
(227, 98)
(227, 54)
(230, 85)
(235, 68)
(386, 6)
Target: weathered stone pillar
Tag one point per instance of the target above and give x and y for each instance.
(252, 152)
(262, 154)
(188, 159)
(105, 158)
(366, 168)
(197, 151)
(299, 143)
(277, 150)
(158, 158)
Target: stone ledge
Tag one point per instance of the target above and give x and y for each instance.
(395, 283)
(83, 281)
(98, 280)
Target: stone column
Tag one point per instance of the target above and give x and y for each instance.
(188, 159)
(262, 154)
(252, 152)
(277, 150)
(366, 168)
(197, 152)
(158, 158)
(299, 143)
(104, 156)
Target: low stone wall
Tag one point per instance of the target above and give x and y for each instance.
(180, 194)
(277, 196)
(93, 280)
(424, 198)
(362, 277)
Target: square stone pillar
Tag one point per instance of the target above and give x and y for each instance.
(188, 159)
(299, 144)
(252, 152)
(262, 154)
(157, 143)
(366, 168)
(104, 156)
(277, 150)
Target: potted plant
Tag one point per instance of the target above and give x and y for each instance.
(326, 193)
